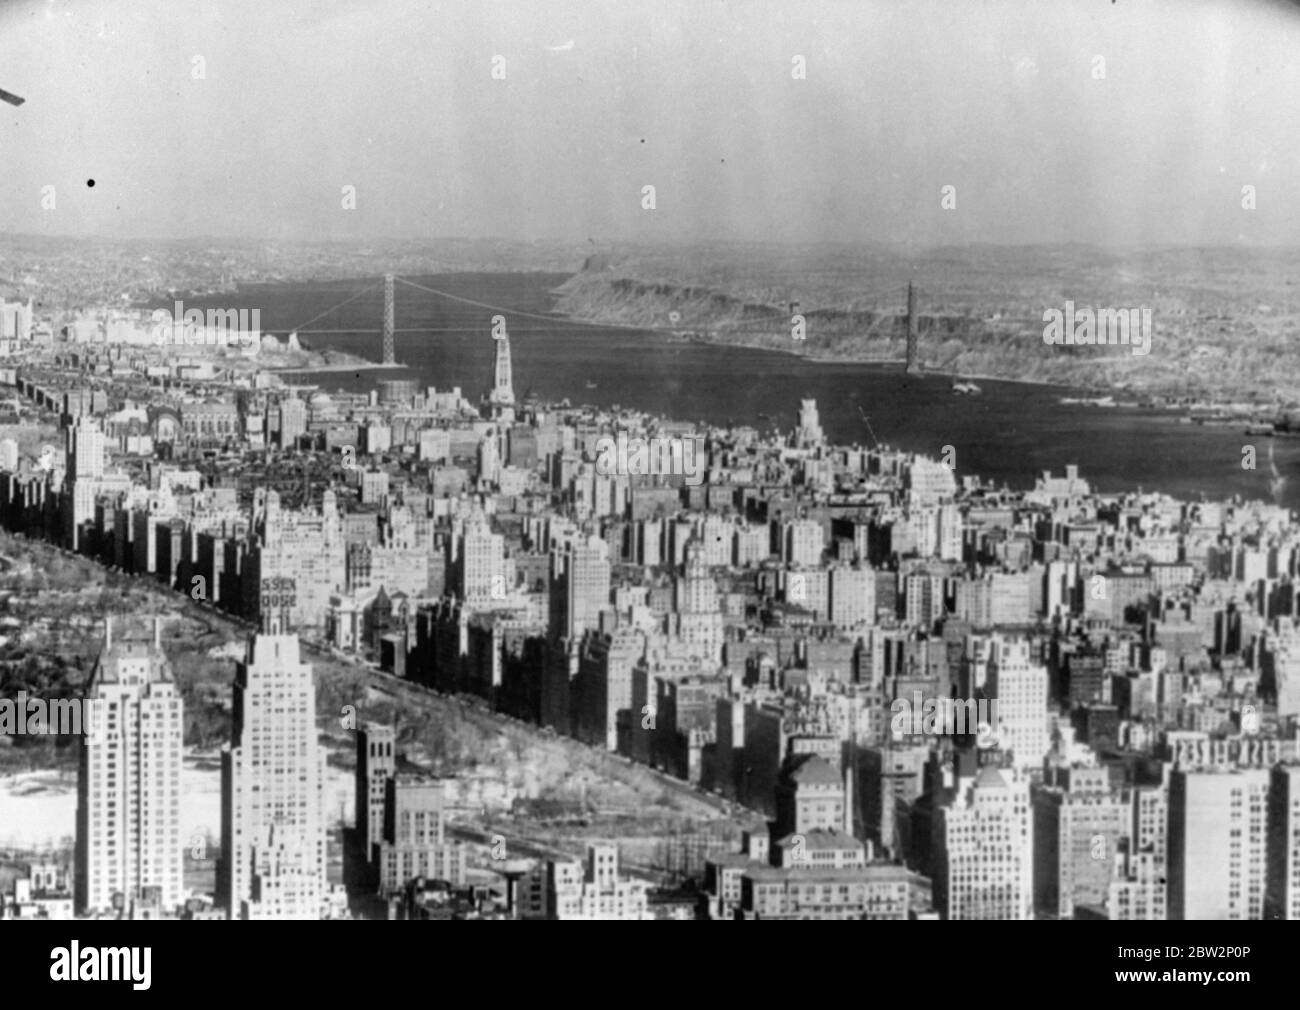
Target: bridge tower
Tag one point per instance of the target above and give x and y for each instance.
(913, 324)
(388, 319)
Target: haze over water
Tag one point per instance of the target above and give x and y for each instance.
(1008, 433)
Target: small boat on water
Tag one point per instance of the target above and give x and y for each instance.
(590, 384)
(965, 388)
(1259, 428)
(1094, 401)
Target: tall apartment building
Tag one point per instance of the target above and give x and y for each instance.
(950, 533)
(893, 779)
(750, 545)
(1217, 840)
(852, 596)
(605, 667)
(1020, 689)
(923, 527)
(1009, 598)
(415, 843)
(480, 570)
(272, 788)
(292, 420)
(923, 599)
(579, 587)
(1079, 824)
(376, 764)
(929, 482)
(85, 449)
(984, 849)
(1282, 887)
(16, 320)
(1280, 662)
(809, 590)
(715, 534)
(306, 548)
(698, 618)
(374, 487)
(1060, 588)
(802, 542)
(129, 781)
(84, 476)
(1151, 823)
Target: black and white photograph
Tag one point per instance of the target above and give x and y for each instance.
(679, 460)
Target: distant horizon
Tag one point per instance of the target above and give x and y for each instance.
(925, 124)
(664, 243)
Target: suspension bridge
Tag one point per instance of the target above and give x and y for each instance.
(468, 322)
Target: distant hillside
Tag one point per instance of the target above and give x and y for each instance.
(1222, 319)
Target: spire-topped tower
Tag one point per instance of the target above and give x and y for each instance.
(501, 400)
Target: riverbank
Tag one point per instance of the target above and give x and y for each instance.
(360, 365)
(862, 361)
(980, 314)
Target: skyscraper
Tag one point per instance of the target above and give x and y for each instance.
(699, 617)
(481, 571)
(376, 764)
(129, 784)
(1020, 688)
(86, 449)
(1282, 890)
(579, 586)
(1079, 823)
(1217, 838)
(85, 471)
(985, 850)
(292, 420)
(272, 788)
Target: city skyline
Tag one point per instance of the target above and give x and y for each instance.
(1033, 773)
(858, 485)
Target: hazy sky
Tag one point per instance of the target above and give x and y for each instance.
(902, 97)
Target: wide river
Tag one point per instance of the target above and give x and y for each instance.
(1009, 432)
